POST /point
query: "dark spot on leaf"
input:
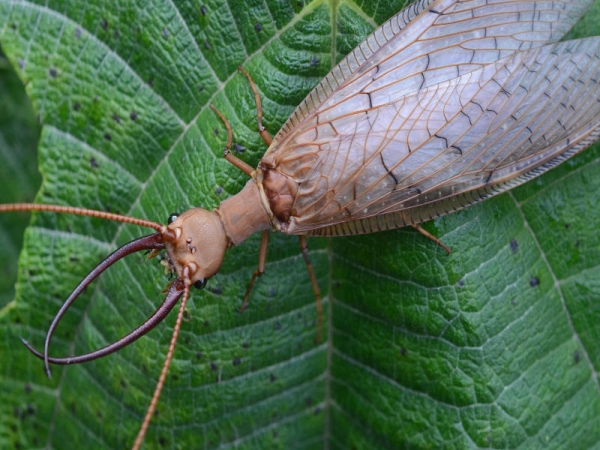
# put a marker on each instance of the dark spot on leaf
(93, 163)
(104, 24)
(577, 244)
(30, 410)
(175, 377)
(27, 388)
(77, 32)
(187, 341)
(217, 290)
(116, 34)
(116, 118)
(107, 136)
(213, 366)
(314, 62)
(76, 106)
(238, 148)
(237, 361)
(95, 98)
(577, 357)
(17, 320)
(275, 433)
(272, 292)
(73, 259)
(52, 72)
(277, 326)
(198, 355)
(99, 415)
(162, 441)
(203, 10)
(165, 33)
(460, 283)
(216, 131)
(514, 246)
(150, 81)
(13, 26)
(403, 351)
(133, 115)
(123, 384)
(73, 407)
(534, 281)
(567, 226)
(201, 88)
(317, 411)
(206, 323)
(156, 413)
(206, 45)
(258, 27)
(219, 190)
(246, 344)
(272, 377)
(513, 301)
(21, 64)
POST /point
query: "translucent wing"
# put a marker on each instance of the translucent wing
(394, 145)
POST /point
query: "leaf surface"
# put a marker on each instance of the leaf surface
(496, 345)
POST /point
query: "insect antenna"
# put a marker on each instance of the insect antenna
(182, 287)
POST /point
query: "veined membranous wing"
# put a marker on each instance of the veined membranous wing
(485, 105)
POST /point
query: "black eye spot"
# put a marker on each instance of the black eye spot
(200, 283)
(172, 218)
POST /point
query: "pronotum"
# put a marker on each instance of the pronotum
(472, 98)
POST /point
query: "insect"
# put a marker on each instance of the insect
(506, 101)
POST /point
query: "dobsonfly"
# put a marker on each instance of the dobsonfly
(446, 104)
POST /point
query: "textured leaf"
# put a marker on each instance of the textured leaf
(19, 133)
(496, 345)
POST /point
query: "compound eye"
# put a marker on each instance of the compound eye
(200, 283)
(172, 218)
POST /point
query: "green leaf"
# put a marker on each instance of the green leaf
(495, 345)
(19, 133)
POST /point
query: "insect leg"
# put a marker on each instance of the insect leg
(262, 260)
(315, 286)
(163, 373)
(427, 234)
(264, 134)
(237, 162)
